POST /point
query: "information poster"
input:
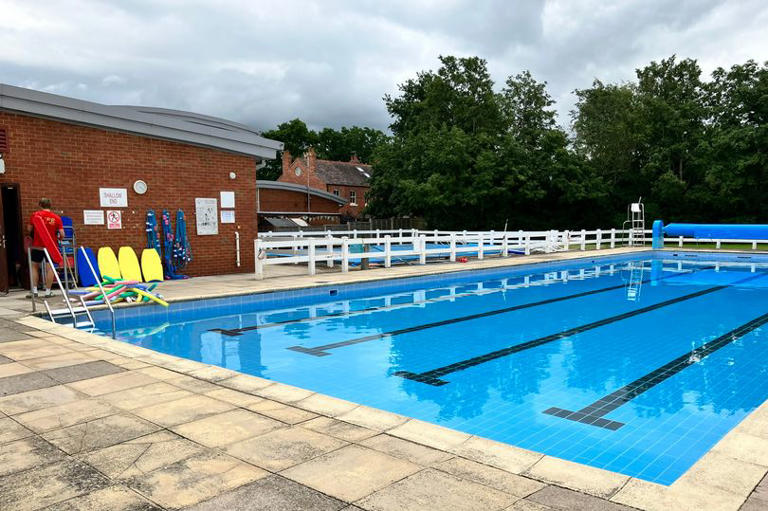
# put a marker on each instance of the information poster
(114, 219)
(227, 200)
(93, 216)
(227, 216)
(206, 216)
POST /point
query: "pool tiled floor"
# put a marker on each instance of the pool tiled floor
(91, 423)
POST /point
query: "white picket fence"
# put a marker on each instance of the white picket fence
(413, 246)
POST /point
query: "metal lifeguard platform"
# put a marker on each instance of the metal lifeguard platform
(635, 223)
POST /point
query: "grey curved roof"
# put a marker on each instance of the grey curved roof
(176, 125)
(293, 187)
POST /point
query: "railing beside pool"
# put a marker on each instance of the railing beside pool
(410, 246)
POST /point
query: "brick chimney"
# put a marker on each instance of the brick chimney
(354, 158)
(287, 160)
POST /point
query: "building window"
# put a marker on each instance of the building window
(336, 192)
(352, 198)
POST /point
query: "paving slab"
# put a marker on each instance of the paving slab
(272, 493)
(576, 476)
(429, 434)
(500, 455)
(112, 498)
(84, 371)
(180, 411)
(654, 497)
(284, 448)
(24, 350)
(433, 489)
(281, 412)
(338, 429)
(112, 383)
(195, 479)
(227, 428)
(138, 397)
(62, 360)
(19, 383)
(193, 384)
(37, 399)
(494, 477)
(562, 498)
(11, 368)
(99, 433)
(62, 416)
(527, 505)
(326, 405)
(40, 487)
(141, 455)
(10, 431)
(716, 470)
(373, 418)
(351, 473)
(235, 397)
(27, 453)
(5, 360)
(399, 448)
(11, 335)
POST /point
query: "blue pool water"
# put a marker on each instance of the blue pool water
(637, 365)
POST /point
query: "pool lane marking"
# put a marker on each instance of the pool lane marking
(322, 351)
(235, 332)
(432, 377)
(594, 413)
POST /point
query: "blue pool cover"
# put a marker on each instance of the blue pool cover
(637, 365)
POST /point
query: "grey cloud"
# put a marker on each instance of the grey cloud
(331, 62)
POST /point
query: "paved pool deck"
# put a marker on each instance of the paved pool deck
(89, 423)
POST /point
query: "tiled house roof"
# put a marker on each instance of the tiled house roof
(343, 173)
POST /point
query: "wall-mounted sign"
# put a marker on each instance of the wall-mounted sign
(227, 216)
(206, 216)
(93, 216)
(113, 197)
(227, 200)
(114, 219)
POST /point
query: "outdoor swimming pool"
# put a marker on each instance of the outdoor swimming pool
(636, 364)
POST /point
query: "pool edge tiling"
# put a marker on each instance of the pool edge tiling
(721, 479)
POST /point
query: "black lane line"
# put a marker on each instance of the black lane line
(593, 413)
(432, 377)
(322, 351)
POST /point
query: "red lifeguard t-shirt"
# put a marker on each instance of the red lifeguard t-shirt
(52, 223)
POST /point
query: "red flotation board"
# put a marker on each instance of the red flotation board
(50, 244)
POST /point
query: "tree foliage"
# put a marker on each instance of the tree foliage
(329, 144)
(464, 155)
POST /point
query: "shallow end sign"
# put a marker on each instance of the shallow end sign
(113, 197)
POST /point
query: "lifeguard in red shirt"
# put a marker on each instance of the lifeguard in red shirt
(55, 228)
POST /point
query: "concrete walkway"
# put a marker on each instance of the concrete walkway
(88, 423)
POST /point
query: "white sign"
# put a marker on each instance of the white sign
(93, 216)
(113, 197)
(227, 216)
(206, 216)
(114, 219)
(227, 200)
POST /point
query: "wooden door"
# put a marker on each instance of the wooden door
(4, 283)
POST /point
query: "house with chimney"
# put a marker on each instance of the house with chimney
(348, 180)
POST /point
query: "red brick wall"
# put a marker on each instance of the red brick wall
(69, 163)
(286, 200)
(307, 165)
(349, 210)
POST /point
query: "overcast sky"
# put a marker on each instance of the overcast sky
(330, 62)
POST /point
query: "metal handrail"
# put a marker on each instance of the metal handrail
(101, 288)
(64, 290)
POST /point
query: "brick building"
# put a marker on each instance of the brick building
(345, 179)
(70, 150)
(287, 206)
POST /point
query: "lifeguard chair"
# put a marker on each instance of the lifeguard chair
(635, 223)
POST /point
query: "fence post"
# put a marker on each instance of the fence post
(527, 244)
(583, 240)
(311, 256)
(717, 244)
(423, 249)
(453, 248)
(754, 245)
(680, 242)
(567, 240)
(613, 238)
(295, 247)
(480, 246)
(505, 246)
(598, 239)
(329, 247)
(387, 251)
(345, 254)
(258, 263)
(354, 233)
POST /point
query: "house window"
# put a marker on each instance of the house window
(352, 198)
(336, 192)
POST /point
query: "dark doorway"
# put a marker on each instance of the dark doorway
(14, 267)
